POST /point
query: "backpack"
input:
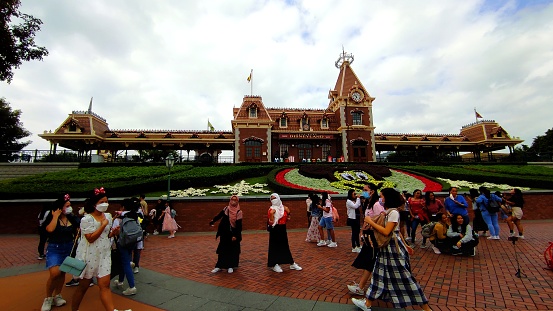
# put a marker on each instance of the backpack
(173, 213)
(130, 233)
(493, 206)
(427, 229)
(381, 239)
(335, 216)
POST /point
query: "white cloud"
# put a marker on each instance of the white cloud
(174, 64)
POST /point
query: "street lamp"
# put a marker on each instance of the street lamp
(169, 162)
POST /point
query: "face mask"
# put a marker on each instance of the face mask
(365, 194)
(102, 207)
(68, 210)
(274, 201)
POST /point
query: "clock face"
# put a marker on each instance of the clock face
(356, 96)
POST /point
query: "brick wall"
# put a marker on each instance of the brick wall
(194, 214)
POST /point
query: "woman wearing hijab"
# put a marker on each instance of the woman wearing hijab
(230, 234)
(279, 250)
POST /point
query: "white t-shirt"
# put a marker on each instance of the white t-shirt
(328, 203)
(393, 216)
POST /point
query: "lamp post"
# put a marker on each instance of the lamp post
(169, 162)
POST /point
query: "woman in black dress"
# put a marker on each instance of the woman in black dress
(229, 233)
(279, 249)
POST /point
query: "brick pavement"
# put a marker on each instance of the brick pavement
(483, 282)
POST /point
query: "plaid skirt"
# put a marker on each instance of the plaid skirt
(392, 280)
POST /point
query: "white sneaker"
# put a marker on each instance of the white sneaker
(59, 301)
(47, 304)
(354, 250)
(277, 268)
(119, 284)
(496, 237)
(356, 290)
(295, 266)
(511, 234)
(321, 243)
(485, 233)
(436, 250)
(408, 238)
(332, 244)
(155, 232)
(360, 303)
(135, 270)
(521, 236)
(491, 238)
(230, 270)
(215, 270)
(130, 291)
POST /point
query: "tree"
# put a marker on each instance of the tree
(11, 130)
(543, 144)
(17, 42)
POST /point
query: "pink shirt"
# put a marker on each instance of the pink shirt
(375, 211)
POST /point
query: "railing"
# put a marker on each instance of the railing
(31, 156)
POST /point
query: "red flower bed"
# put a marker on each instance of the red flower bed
(429, 185)
(281, 179)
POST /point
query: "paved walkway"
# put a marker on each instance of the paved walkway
(175, 274)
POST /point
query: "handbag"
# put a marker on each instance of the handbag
(73, 265)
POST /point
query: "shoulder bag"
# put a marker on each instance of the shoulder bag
(73, 265)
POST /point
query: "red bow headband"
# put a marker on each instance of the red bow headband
(98, 191)
(66, 197)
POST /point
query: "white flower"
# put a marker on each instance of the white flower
(468, 184)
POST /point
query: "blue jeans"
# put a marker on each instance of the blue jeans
(491, 221)
(126, 263)
(414, 224)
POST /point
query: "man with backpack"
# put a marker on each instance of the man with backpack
(489, 204)
(130, 235)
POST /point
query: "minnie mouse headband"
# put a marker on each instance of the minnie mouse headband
(66, 197)
(99, 191)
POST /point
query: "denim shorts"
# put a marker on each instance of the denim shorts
(326, 222)
(56, 253)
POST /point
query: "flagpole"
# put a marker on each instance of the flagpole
(251, 82)
(475, 115)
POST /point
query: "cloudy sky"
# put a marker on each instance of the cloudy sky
(173, 64)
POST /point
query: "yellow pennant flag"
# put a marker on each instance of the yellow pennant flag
(250, 76)
(210, 126)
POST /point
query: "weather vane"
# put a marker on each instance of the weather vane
(344, 57)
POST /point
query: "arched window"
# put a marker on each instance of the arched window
(253, 150)
(357, 118)
(253, 111)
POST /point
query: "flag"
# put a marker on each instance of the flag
(90, 105)
(250, 76)
(210, 126)
(477, 115)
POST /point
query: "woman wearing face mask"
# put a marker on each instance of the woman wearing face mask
(95, 249)
(61, 227)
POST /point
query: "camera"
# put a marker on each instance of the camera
(513, 238)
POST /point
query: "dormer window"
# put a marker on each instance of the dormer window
(283, 122)
(72, 127)
(324, 123)
(357, 118)
(253, 112)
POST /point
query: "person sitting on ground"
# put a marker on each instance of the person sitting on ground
(439, 240)
(461, 236)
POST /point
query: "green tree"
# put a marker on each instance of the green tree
(17, 42)
(156, 155)
(11, 131)
(543, 144)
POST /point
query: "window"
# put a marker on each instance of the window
(72, 127)
(324, 123)
(357, 118)
(326, 150)
(304, 151)
(253, 151)
(283, 150)
(253, 112)
(283, 122)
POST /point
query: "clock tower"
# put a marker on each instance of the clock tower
(352, 105)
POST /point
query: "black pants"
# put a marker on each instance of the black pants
(355, 230)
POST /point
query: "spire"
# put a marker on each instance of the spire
(90, 105)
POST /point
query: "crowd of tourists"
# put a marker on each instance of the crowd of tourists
(384, 230)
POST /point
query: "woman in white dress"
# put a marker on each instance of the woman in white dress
(95, 249)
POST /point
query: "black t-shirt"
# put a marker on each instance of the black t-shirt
(62, 234)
